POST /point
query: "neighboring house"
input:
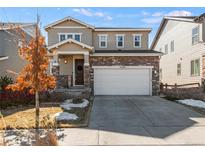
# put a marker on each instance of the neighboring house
(10, 61)
(107, 60)
(182, 40)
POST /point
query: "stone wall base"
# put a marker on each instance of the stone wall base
(59, 95)
(185, 93)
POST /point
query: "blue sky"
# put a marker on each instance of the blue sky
(112, 17)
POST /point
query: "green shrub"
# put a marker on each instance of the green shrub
(5, 81)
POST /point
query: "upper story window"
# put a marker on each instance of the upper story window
(166, 49)
(103, 41)
(137, 40)
(195, 35)
(120, 41)
(172, 46)
(62, 37)
(75, 36)
(69, 36)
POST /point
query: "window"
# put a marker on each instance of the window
(179, 69)
(74, 36)
(172, 46)
(160, 50)
(195, 67)
(77, 37)
(166, 49)
(137, 40)
(69, 36)
(62, 37)
(103, 41)
(120, 41)
(195, 35)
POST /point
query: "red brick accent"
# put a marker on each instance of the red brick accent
(129, 61)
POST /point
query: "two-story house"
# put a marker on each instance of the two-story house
(182, 40)
(10, 61)
(110, 61)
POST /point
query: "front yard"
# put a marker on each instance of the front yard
(23, 117)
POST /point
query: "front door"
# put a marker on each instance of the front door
(79, 72)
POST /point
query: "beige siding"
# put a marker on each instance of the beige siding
(71, 47)
(66, 69)
(14, 62)
(53, 33)
(184, 52)
(128, 40)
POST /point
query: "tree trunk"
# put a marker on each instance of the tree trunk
(37, 109)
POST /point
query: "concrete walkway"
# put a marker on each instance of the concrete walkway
(138, 120)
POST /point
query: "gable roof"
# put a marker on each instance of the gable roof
(66, 19)
(164, 21)
(70, 41)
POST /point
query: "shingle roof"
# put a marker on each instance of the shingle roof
(9, 25)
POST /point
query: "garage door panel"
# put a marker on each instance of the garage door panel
(109, 81)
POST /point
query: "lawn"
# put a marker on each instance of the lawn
(24, 117)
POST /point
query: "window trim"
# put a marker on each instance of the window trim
(194, 75)
(195, 35)
(66, 35)
(116, 40)
(171, 46)
(59, 36)
(140, 42)
(99, 40)
(166, 48)
(179, 74)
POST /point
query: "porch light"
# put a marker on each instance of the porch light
(65, 61)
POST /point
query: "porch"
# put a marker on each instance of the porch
(71, 70)
(70, 64)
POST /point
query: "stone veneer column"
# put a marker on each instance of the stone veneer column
(55, 66)
(86, 70)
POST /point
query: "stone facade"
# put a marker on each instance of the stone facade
(86, 75)
(129, 61)
(61, 81)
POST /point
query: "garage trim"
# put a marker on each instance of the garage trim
(140, 67)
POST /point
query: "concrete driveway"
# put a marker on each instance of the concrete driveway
(138, 120)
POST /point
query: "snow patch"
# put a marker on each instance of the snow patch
(65, 116)
(192, 102)
(68, 105)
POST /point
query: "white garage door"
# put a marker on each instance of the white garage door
(118, 81)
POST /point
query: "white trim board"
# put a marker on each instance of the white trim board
(123, 29)
(72, 52)
(67, 19)
(4, 58)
